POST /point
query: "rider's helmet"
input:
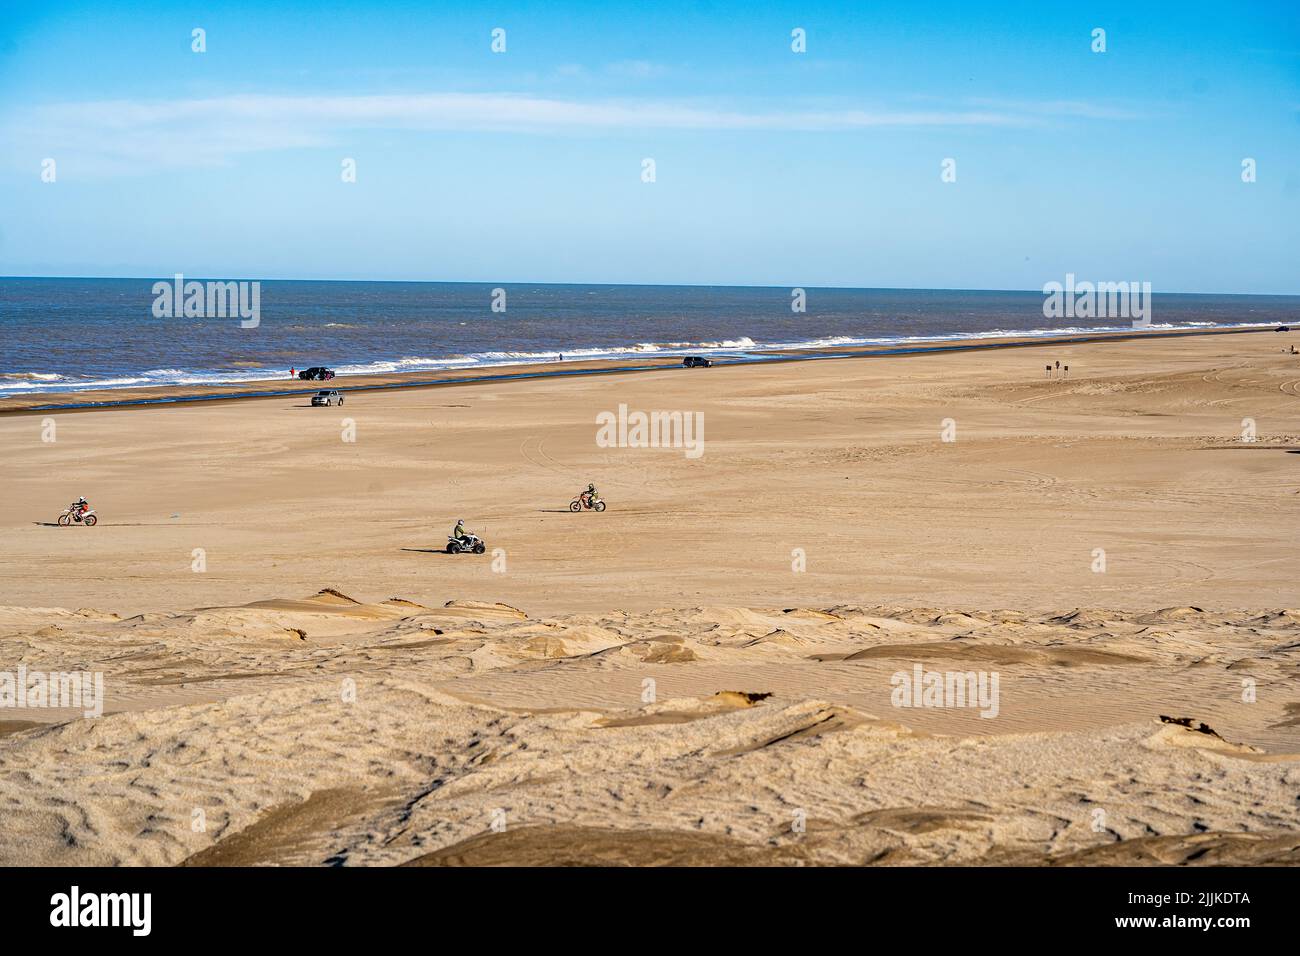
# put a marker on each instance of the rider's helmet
(591, 486)
(81, 501)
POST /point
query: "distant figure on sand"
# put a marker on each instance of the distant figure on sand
(293, 373)
(1065, 373)
(1049, 371)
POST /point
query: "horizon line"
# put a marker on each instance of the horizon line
(629, 285)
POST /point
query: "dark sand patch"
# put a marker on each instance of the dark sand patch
(1270, 848)
(824, 722)
(1004, 654)
(594, 846)
(290, 828)
(8, 727)
(922, 819)
(720, 703)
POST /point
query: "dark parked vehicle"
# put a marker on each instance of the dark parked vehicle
(327, 397)
(316, 373)
(1284, 328)
(694, 361)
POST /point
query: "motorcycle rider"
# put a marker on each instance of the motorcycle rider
(80, 507)
(590, 495)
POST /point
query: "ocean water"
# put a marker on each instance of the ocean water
(63, 334)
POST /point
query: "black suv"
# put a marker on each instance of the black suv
(694, 361)
(316, 373)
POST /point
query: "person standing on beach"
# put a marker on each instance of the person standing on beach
(293, 372)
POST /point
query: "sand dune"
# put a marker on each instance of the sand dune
(770, 738)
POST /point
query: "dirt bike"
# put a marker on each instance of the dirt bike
(584, 500)
(470, 542)
(80, 517)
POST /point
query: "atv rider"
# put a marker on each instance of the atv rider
(590, 495)
(459, 532)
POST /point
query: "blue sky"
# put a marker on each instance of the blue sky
(772, 167)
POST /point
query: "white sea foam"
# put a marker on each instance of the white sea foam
(19, 383)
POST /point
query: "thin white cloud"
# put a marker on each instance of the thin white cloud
(1064, 109)
(190, 132)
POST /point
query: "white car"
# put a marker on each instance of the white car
(329, 396)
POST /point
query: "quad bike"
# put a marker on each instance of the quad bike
(470, 542)
(80, 517)
(584, 500)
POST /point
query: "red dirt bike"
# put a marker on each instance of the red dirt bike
(585, 500)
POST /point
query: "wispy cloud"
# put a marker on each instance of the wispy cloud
(196, 132)
(1060, 109)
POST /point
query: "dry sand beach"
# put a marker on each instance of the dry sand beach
(705, 673)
